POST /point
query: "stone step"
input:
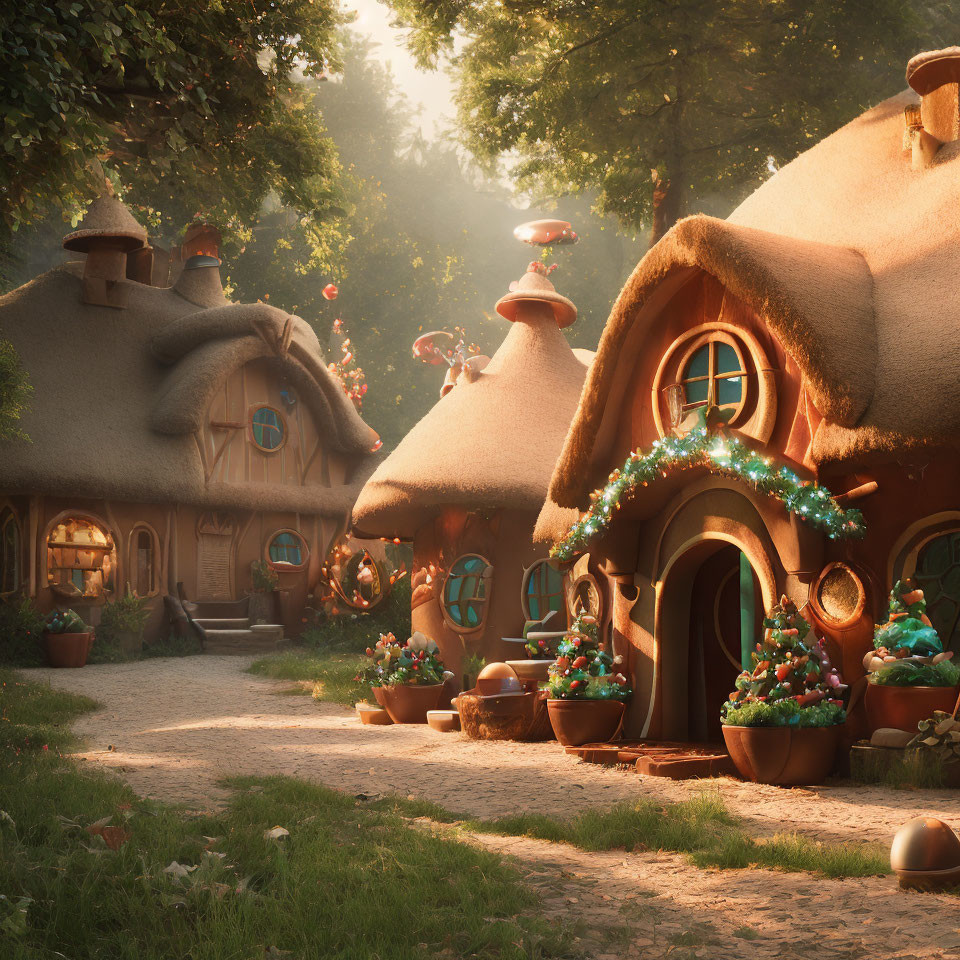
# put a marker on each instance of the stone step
(220, 623)
(242, 642)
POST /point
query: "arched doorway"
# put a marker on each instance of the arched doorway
(711, 615)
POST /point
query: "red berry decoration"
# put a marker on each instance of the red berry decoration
(330, 292)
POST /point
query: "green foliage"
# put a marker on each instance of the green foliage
(82, 899)
(621, 98)
(791, 683)
(726, 456)
(392, 663)
(195, 107)
(15, 392)
(471, 666)
(331, 678)
(21, 629)
(910, 673)
(351, 632)
(128, 614)
(64, 621)
(264, 577)
(907, 632)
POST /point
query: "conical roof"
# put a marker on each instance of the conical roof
(106, 217)
(489, 443)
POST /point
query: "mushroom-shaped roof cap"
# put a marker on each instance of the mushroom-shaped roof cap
(928, 71)
(107, 218)
(535, 287)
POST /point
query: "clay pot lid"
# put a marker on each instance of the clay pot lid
(498, 678)
(106, 219)
(534, 287)
(930, 70)
(925, 844)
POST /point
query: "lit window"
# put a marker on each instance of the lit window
(713, 374)
(543, 590)
(81, 559)
(287, 549)
(465, 591)
(9, 552)
(267, 429)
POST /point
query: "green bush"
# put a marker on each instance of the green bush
(21, 627)
(909, 673)
(129, 614)
(354, 632)
(784, 713)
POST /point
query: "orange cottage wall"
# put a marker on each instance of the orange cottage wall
(655, 548)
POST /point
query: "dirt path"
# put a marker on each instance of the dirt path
(172, 728)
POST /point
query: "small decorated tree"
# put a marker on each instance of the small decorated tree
(584, 670)
(792, 682)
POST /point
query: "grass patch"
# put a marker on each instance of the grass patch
(354, 632)
(900, 769)
(332, 674)
(701, 828)
(351, 880)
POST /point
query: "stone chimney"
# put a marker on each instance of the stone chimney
(199, 281)
(106, 235)
(935, 75)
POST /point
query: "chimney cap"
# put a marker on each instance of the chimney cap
(200, 260)
(928, 71)
(106, 219)
(534, 286)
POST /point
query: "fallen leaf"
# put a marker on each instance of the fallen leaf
(178, 869)
(276, 833)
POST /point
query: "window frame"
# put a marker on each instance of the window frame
(528, 575)
(284, 427)
(8, 518)
(485, 578)
(711, 339)
(141, 526)
(281, 566)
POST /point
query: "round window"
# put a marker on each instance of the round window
(287, 549)
(465, 591)
(267, 428)
(542, 590)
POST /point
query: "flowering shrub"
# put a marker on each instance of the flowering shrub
(913, 673)
(415, 661)
(792, 682)
(908, 631)
(583, 670)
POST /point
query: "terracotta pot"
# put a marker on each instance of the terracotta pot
(576, 722)
(538, 670)
(904, 707)
(67, 649)
(409, 702)
(262, 607)
(373, 716)
(784, 756)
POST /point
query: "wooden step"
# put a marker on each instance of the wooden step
(241, 642)
(222, 623)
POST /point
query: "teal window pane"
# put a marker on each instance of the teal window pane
(729, 390)
(465, 591)
(696, 392)
(267, 428)
(699, 364)
(727, 360)
(286, 548)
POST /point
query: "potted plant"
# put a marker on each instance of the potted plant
(262, 606)
(781, 724)
(67, 639)
(585, 690)
(407, 679)
(910, 675)
(123, 621)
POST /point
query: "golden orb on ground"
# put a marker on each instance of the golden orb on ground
(497, 678)
(926, 854)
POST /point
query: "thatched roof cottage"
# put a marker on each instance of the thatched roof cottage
(819, 319)
(466, 483)
(176, 437)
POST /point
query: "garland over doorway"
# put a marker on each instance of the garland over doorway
(725, 456)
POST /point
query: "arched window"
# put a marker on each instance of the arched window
(287, 550)
(9, 552)
(465, 592)
(142, 556)
(713, 374)
(542, 590)
(267, 429)
(81, 557)
(938, 575)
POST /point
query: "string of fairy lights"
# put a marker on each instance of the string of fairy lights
(723, 455)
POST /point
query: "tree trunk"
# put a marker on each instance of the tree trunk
(666, 208)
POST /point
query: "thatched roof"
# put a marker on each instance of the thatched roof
(118, 395)
(106, 218)
(851, 257)
(489, 443)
